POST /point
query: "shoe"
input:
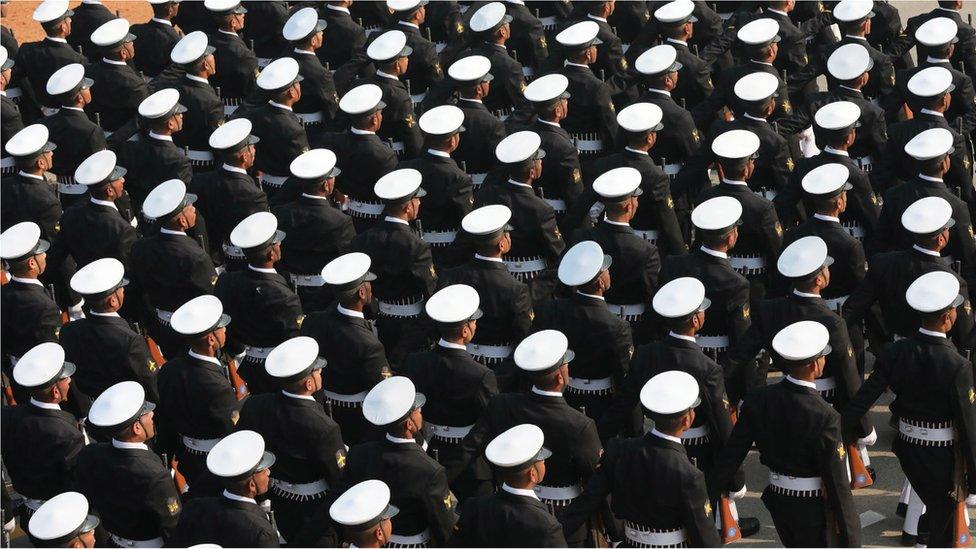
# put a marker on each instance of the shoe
(902, 510)
(874, 475)
(908, 540)
(748, 526)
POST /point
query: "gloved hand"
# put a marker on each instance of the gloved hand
(971, 500)
(738, 495)
(869, 440)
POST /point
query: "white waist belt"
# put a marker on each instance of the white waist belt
(124, 542)
(7, 162)
(837, 302)
(263, 62)
(528, 72)
(672, 169)
(527, 266)
(478, 179)
(695, 432)
(352, 399)
(449, 432)
(864, 161)
(305, 489)
(408, 310)
(548, 22)
(397, 146)
(588, 145)
(749, 263)
(439, 46)
(558, 493)
(259, 353)
(229, 109)
(275, 181)
(366, 208)
(590, 385)
(439, 237)
(489, 351)
(419, 97)
(650, 236)
(199, 156)
(825, 384)
(656, 539)
(634, 309)
(14, 93)
(799, 484)
(202, 445)
(164, 316)
(557, 204)
(72, 188)
(928, 434)
(416, 539)
(713, 342)
(310, 117)
(768, 194)
(313, 281)
(855, 229)
(231, 250)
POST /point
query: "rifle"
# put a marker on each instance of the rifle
(960, 519)
(860, 476)
(730, 526)
(178, 479)
(54, 297)
(240, 386)
(6, 534)
(154, 353)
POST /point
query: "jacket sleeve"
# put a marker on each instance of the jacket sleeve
(163, 503)
(439, 504)
(626, 397)
(330, 449)
(845, 371)
(422, 268)
(965, 415)
(695, 512)
(143, 367)
(552, 239)
(732, 455)
(523, 315)
(868, 394)
(838, 488)
(593, 496)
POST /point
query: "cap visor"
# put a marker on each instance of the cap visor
(847, 187)
(487, 77)
(117, 173)
(87, 83)
(209, 51)
(369, 277)
(68, 370)
(596, 42)
(692, 19)
(180, 109)
(950, 224)
(419, 401)
(267, 460)
(506, 19)
(146, 408)
(390, 512)
(637, 192)
(89, 524)
(190, 198)
(334, 173)
(705, 304)
(278, 237)
(958, 301)
(828, 262)
(568, 357)
(44, 245)
(239, 10)
(8, 64)
(407, 50)
(253, 139)
(478, 313)
(320, 25)
(420, 192)
(48, 147)
(544, 453)
(540, 154)
(223, 322)
(319, 363)
(607, 261)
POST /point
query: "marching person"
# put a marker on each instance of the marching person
(155, 38)
(281, 136)
(306, 441)
(319, 102)
(472, 78)
(266, 310)
(636, 262)
(204, 110)
(799, 438)
(169, 268)
(197, 402)
(536, 242)
(132, 490)
(424, 70)
(63, 521)
(154, 158)
(234, 518)
(390, 53)
(89, 16)
(405, 274)
(677, 510)
(545, 358)
(236, 65)
(39, 60)
(717, 223)
(76, 136)
(355, 358)
(591, 118)
(229, 194)
(24, 297)
(514, 516)
(418, 485)
(602, 340)
(361, 155)
(932, 383)
(10, 113)
(457, 387)
(504, 300)
(449, 190)
(319, 231)
(103, 345)
(96, 228)
(41, 440)
(365, 513)
(118, 88)
(346, 35)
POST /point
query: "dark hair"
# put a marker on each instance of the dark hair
(667, 423)
(711, 240)
(733, 165)
(488, 246)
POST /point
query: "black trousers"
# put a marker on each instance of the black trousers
(929, 469)
(800, 522)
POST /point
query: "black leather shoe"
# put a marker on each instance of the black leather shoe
(901, 510)
(908, 540)
(748, 526)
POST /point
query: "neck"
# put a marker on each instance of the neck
(242, 493)
(804, 373)
(937, 327)
(204, 349)
(675, 432)
(643, 146)
(405, 434)
(263, 265)
(813, 290)
(592, 290)
(524, 483)
(831, 213)
(620, 218)
(106, 310)
(354, 306)
(686, 330)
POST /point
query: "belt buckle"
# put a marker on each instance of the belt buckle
(924, 432)
(518, 264)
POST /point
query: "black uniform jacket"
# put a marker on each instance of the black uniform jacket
(504, 519)
(40, 449)
(226, 522)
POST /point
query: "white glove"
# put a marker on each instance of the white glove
(75, 312)
(868, 440)
(738, 495)
(10, 526)
(971, 500)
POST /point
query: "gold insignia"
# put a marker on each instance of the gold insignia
(437, 68)
(173, 506)
(335, 97)
(213, 280)
(967, 307)
(891, 78)
(57, 227)
(850, 351)
(695, 135)
(447, 500)
(789, 164)
(779, 229)
(57, 332)
(341, 458)
(972, 395)
(386, 373)
(725, 402)
(840, 451)
(300, 320)
(787, 107)
(577, 176)
(542, 42)
(522, 85)
(630, 351)
(822, 8)
(670, 202)
(971, 235)
(708, 83)
(805, 59)
(433, 272)
(152, 366)
(559, 235)
(612, 108)
(459, 28)
(708, 508)
(623, 63)
(874, 199)
(235, 416)
(409, 120)
(965, 160)
(647, 16)
(531, 315)
(745, 312)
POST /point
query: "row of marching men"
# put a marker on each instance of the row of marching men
(282, 471)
